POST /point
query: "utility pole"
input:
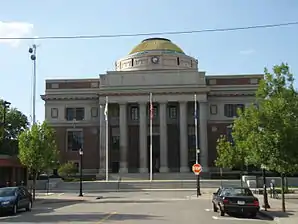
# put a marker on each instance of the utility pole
(32, 52)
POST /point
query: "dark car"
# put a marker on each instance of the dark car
(237, 200)
(14, 198)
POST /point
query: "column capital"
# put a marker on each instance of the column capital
(143, 102)
(162, 102)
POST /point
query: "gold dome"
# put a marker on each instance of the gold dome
(156, 44)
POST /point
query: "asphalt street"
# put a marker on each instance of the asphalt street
(128, 207)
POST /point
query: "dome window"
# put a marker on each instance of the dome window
(178, 61)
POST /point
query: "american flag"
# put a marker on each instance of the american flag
(151, 107)
(106, 109)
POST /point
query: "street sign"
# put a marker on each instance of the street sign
(197, 169)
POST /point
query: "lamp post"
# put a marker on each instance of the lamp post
(265, 194)
(32, 52)
(5, 105)
(81, 172)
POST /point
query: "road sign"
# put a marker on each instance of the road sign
(197, 169)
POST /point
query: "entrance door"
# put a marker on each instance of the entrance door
(155, 153)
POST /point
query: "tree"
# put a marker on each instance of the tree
(38, 150)
(231, 155)
(67, 169)
(15, 123)
(269, 130)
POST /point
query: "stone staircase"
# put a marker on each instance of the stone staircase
(143, 184)
(156, 176)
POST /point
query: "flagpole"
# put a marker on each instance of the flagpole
(196, 128)
(107, 139)
(151, 149)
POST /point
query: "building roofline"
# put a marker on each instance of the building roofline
(71, 80)
(225, 76)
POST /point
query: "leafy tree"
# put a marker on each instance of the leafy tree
(269, 130)
(67, 169)
(231, 155)
(15, 123)
(38, 150)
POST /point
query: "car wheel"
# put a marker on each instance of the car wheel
(14, 209)
(215, 209)
(29, 206)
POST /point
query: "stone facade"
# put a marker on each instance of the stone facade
(173, 86)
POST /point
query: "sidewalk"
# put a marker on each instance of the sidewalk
(275, 212)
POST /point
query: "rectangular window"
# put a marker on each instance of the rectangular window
(229, 135)
(94, 112)
(213, 109)
(75, 113)
(230, 110)
(116, 143)
(54, 112)
(134, 113)
(173, 112)
(74, 140)
(155, 111)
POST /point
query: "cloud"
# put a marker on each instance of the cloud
(247, 52)
(14, 29)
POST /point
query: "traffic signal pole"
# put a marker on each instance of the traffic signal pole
(198, 186)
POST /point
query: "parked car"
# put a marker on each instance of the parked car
(238, 200)
(14, 198)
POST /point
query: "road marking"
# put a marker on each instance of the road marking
(106, 217)
(9, 217)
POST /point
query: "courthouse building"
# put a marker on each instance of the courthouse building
(75, 108)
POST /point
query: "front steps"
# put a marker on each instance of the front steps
(156, 176)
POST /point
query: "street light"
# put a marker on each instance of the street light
(32, 52)
(5, 105)
(81, 172)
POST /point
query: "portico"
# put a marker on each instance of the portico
(161, 124)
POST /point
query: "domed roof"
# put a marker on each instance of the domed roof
(156, 44)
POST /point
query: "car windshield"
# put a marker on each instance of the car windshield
(7, 192)
(238, 192)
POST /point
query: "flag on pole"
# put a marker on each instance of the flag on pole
(195, 107)
(106, 109)
(151, 146)
(151, 107)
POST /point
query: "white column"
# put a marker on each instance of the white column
(123, 138)
(183, 137)
(143, 138)
(102, 134)
(203, 136)
(163, 137)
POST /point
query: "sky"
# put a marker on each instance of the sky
(236, 52)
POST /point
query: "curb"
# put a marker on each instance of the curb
(54, 191)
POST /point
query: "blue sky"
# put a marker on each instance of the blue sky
(237, 52)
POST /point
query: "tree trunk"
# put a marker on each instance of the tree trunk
(283, 192)
(241, 174)
(34, 185)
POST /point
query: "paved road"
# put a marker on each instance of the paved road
(130, 208)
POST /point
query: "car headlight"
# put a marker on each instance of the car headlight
(5, 202)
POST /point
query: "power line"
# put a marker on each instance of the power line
(151, 34)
